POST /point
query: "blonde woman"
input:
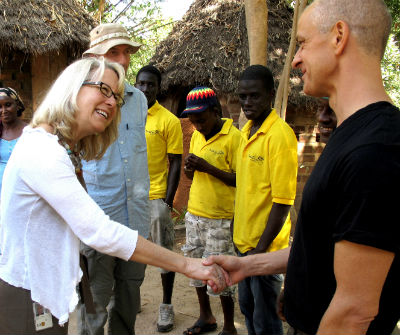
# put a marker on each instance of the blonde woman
(46, 212)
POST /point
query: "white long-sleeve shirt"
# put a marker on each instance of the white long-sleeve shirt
(44, 213)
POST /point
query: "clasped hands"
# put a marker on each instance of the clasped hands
(218, 272)
(193, 162)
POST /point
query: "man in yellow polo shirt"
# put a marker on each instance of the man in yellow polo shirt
(265, 189)
(211, 164)
(164, 153)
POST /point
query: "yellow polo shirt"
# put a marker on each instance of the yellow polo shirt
(266, 173)
(163, 137)
(210, 197)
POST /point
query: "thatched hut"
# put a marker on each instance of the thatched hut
(210, 47)
(38, 39)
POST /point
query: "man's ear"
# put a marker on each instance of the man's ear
(341, 33)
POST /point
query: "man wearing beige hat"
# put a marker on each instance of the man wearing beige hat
(119, 183)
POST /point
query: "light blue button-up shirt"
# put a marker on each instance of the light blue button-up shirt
(120, 182)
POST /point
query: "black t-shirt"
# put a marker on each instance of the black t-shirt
(352, 194)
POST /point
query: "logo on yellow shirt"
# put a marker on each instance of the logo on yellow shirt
(217, 152)
(153, 132)
(256, 159)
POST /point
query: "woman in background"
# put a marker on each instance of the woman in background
(11, 108)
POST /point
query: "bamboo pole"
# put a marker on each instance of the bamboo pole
(303, 5)
(283, 88)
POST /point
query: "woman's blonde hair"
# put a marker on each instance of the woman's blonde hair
(59, 106)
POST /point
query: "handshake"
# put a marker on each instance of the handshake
(222, 271)
(218, 272)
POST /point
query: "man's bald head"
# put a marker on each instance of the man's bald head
(369, 21)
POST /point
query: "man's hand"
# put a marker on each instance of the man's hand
(256, 265)
(188, 169)
(216, 277)
(193, 162)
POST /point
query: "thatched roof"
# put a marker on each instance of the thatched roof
(40, 26)
(210, 47)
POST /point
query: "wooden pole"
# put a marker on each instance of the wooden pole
(303, 5)
(257, 34)
(283, 88)
(257, 30)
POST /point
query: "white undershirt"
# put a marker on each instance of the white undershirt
(44, 213)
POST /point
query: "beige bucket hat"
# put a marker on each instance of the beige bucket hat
(108, 35)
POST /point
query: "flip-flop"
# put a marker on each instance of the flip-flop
(200, 327)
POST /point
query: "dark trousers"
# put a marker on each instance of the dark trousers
(16, 313)
(258, 296)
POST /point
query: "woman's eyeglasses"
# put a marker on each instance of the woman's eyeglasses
(106, 91)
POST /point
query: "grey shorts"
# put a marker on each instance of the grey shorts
(162, 228)
(206, 237)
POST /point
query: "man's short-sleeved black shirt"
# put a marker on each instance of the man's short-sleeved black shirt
(352, 194)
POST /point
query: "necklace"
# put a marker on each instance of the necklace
(84, 286)
(73, 155)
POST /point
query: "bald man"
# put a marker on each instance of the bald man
(343, 272)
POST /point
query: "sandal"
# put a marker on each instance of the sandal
(200, 327)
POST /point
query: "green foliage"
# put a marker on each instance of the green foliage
(391, 70)
(179, 216)
(142, 19)
(146, 23)
(394, 7)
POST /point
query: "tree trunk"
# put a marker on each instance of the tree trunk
(257, 34)
(257, 30)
